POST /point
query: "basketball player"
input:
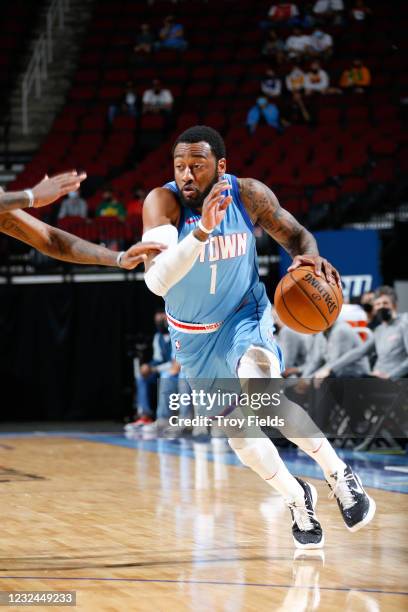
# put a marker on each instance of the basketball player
(52, 241)
(219, 314)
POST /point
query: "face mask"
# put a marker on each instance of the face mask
(384, 314)
(368, 308)
(72, 194)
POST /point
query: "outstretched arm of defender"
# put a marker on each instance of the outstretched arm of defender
(61, 245)
(159, 213)
(264, 208)
(47, 191)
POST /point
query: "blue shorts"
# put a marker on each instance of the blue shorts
(216, 355)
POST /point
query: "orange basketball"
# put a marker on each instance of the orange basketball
(306, 302)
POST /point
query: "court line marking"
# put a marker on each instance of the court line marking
(212, 582)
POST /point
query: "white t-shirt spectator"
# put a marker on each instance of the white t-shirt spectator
(317, 81)
(295, 80)
(320, 41)
(297, 44)
(283, 12)
(161, 99)
(73, 206)
(325, 6)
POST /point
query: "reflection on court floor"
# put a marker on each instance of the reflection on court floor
(139, 525)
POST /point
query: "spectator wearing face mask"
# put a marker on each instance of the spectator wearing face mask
(126, 105)
(264, 110)
(360, 12)
(157, 99)
(357, 77)
(316, 80)
(367, 304)
(320, 44)
(271, 85)
(389, 341)
(73, 206)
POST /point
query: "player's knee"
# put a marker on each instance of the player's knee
(258, 362)
(255, 453)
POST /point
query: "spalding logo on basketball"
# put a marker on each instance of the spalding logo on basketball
(307, 303)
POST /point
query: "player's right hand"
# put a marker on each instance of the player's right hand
(51, 189)
(215, 205)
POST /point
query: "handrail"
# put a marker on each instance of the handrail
(43, 54)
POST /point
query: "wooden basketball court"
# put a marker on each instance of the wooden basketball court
(131, 529)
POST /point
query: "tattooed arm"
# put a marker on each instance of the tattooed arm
(263, 208)
(47, 191)
(61, 245)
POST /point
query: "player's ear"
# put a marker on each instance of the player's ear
(222, 166)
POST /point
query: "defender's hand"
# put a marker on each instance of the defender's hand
(215, 205)
(139, 252)
(321, 265)
(51, 189)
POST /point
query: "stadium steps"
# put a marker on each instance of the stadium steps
(42, 111)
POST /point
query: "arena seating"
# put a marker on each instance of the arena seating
(355, 143)
(16, 25)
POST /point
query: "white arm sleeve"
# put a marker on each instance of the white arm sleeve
(172, 265)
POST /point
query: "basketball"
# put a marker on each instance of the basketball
(306, 302)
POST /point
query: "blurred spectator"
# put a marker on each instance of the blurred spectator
(144, 40)
(151, 371)
(316, 80)
(294, 347)
(271, 85)
(367, 304)
(157, 99)
(295, 80)
(274, 47)
(389, 341)
(329, 10)
(340, 339)
(295, 111)
(171, 35)
(110, 206)
(263, 109)
(297, 44)
(321, 44)
(307, 18)
(360, 12)
(127, 104)
(283, 13)
(134, 206)
(357, 77)
(73, 206)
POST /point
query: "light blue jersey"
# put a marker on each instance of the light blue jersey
(220, 307)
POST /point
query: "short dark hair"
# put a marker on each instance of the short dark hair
(387, 290)
(203, 133)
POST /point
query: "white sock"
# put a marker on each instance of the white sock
(261, 455)
(323, 453)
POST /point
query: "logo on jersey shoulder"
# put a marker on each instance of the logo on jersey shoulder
(177, 344)
(225, 246)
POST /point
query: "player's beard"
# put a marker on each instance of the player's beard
(198, 201)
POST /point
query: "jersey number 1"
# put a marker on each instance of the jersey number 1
(213, 278)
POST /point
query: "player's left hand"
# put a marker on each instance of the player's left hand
(51, 189)
(139, 252)
(321, 265)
